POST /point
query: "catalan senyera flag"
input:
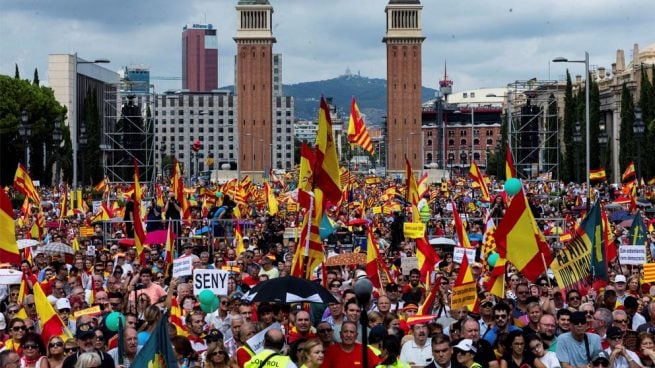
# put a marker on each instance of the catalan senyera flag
(476, 175)
(327, 162)
(510, 170)
(459, 228)
(357, 134)
(176, 318)
(427, 257)
(649, 272)
(411, 194)
(24, 185)
(629, 174)
(8, 247)
(178, 189)
(597, 175)
(49, 321)
(270, 199)
(519, 240)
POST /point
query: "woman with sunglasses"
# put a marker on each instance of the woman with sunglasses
(216, 356)
(70, 347)
(17, 331)
(56, 354)
(34, 352)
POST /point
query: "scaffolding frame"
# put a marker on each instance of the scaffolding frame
(537, 93)
(129, 139)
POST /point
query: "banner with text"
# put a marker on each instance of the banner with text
(632, 254)
(458, 254)
(214, 280)
(182, 266)
(572, 265)
(413, 230)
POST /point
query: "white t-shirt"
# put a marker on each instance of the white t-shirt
(550, 360)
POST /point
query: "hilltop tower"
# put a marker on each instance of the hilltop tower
(404, 38)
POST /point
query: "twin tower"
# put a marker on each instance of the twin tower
(254, 83)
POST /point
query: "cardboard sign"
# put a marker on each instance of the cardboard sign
(571, 265)
(463, 296)
(256, 342)
(377, 210)
(10, 276)
(458, 254)
(214, 280)
(182, 266)
(408, 263)
(632, 254)
(413, 230)
(94, 311)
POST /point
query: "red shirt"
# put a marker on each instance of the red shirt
(335, 357)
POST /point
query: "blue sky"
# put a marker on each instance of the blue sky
(485, 43)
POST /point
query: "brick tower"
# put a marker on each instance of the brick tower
(403, 38)
(254, 85)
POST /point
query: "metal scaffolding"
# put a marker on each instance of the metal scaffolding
(535, 144)
(128, 133)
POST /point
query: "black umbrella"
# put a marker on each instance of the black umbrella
(287, 290)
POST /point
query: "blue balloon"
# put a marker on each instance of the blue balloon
(512, 186)
(492, 259)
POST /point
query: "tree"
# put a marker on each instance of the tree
(594, 123)
(91, 157)
(647, 105)
(568, 164)
(35, 80)
(627, 140)
(16, 73)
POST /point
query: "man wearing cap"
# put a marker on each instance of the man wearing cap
(63, 307)
(417, 352)
(576, 348)
(619, 355)
(394, 294)
(85, 337)
(620, 283)
(465, 351)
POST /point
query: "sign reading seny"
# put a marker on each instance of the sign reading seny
(214, 280)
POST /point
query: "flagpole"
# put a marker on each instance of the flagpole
(543, 259)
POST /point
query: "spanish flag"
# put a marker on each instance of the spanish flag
(49, 321)
(357, 134)
(427, 257)
(327, 165)
(629, 174)
(8, 246)
(476, 175)
(519, 240)
(270, 199)
(139, 232)
(597, 175)
(412, 191)
(459, 227)
(176, 318)
(238, 239)
(510, 170)
(374, 261)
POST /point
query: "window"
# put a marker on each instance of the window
(462, 142)
(451, 142)
(490, 142)
(429, 142)
(451, 133)
(462, 133)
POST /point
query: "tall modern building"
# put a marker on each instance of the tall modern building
(199, 58)
(254, 84)
(404, 38)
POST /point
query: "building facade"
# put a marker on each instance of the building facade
(403, 39)
(199, 58)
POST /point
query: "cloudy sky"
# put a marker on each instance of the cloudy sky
(485, 43)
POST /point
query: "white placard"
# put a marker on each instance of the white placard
(91, 250)
(214, 280)
(291, 233)
(96, 206)
(458, 254)
(10, 276)
(182, 266)
(632, 254)
(256, 342)
(408, 263)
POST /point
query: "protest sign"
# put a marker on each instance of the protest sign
(10, 276)
(571, 266)
(214, 280)
(458, 254)
(463, 296)
(256, 343)
(414, 230)
(408, 263)
(291, 233)
(93, 311)
(182, 266)
(632, 254)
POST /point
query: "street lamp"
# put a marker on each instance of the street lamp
(363, 289)
(25, 131)
(577, 138)
(56, 139)
(638, 128)
(74, 131)
(602, 141)
(586, 88)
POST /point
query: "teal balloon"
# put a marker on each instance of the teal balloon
(113, 320)
(219, 194)
(206, 297)
(210, 307)
(492, 259)
(512, 186)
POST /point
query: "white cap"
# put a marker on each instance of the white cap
(619, 278)
(466, 345)
(63, 303)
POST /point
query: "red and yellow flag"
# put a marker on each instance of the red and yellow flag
(270, 199)
(519, 240)
(169, 248)
(465, 281)
(629, 174)
(459, 228)
(306, 173)
(103, 185)
(597, 175)
(510, 170)
(176, 318)
(327, 162)
(139, 231)
(178, 189)
(411, 194)
(427, 257)
(374, 261)
(357, 133)
(8, 246)
(476, 175)
(309, 253)
(49, 321)
(24, 185)
(238, 239)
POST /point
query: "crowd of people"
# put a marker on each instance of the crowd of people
(534, 324)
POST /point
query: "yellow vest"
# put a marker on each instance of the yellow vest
(278, 361)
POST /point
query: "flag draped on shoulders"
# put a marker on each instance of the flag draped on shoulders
(519, 240)
(8, 248)
(357, 133)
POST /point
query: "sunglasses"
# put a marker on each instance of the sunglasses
(12, 311)
(56, 344)
(601, 364)
(504, 316)
(30, 346)
(575, 298)
(324, 330)
(70, 350)
(487, 305)
(18, 328)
